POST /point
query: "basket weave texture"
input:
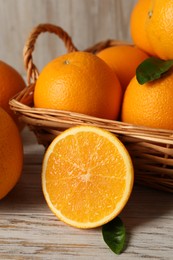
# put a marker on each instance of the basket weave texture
(151, 149)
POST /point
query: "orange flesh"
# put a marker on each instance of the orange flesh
(85, 174)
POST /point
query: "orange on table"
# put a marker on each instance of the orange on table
(123, 60)
(11, 82)
(150, 104)
(138, 20)
(11, 153)
(79, 82)
(87, 176)
(160, 27)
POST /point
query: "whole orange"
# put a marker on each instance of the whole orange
(11, 153)
(123, 60)
(159, 27)
(138, 18)
(79, 82)
(11, 82)
(150, 104)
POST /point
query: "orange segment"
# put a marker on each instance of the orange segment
(87, 176)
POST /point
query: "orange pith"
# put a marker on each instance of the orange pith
(87, 176)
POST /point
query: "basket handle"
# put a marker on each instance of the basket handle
(32, 71)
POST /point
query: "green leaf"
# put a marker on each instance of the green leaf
(151, 69)
(114, 235)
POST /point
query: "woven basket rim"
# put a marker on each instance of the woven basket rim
(23, 101)
(152, 148)
(145, 133)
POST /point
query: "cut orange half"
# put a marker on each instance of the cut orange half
(87, 176)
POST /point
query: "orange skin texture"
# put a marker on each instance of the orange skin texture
(149, 104)
(138, 19)
(11, 154)
(11, 82)
(123, 60)
(159, 28)
(79, 82)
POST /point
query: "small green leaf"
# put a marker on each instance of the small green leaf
(151, 69)
(114, 235)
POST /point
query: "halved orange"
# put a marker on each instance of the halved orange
(87, 176)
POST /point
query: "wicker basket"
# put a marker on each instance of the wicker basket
(151, 149)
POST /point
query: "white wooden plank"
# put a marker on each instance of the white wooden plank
(29, 230)
(88, 22)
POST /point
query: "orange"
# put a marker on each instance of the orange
(11, 82)
(123, 60)
(87, 176)
(79, 82)
(160, 27)
(138, 19)
(11, 153)
(150, 104)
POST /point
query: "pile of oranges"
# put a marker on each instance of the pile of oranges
(104, 85)
(152, 31)
(80, 82)
(87, 174)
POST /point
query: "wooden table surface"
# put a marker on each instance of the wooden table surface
(29, 230)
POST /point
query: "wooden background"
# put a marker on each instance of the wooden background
(87, 22)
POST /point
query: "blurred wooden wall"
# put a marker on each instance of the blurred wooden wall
(87, 22)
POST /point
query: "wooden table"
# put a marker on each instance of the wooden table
(29, 230)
